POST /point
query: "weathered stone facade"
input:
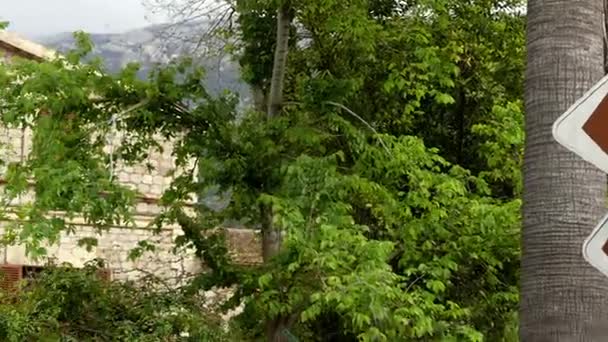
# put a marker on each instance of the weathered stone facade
(114, 246)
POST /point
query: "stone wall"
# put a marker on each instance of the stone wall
(114, 246)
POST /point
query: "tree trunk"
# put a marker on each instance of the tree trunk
(259, 98)
(562, 297)
(275, 97)
(271, 235)
(275, 330)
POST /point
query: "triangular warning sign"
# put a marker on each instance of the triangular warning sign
(595, 247)
(583, 128)
(596, 126)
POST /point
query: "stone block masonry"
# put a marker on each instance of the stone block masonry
(116, 243)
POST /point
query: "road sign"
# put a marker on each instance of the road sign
(595, 247)
(583, 129)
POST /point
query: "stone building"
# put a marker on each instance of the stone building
(114, 245)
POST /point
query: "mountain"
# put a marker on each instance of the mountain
(159, 44)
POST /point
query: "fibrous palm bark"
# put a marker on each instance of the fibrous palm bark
(562, 297)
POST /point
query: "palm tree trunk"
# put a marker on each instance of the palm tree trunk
(562, 297)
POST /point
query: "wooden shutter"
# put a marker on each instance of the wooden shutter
(10, 276)
(104, 274)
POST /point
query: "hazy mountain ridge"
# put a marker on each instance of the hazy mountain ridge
(159, 44)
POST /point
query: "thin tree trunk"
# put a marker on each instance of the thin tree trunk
(275, 97)
(562, 297)
(271, 235)
(259, 98)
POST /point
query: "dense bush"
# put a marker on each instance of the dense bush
(69, 304)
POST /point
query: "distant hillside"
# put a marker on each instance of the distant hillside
(159, 44)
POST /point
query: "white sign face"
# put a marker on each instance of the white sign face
(595, 247)
(583, 128)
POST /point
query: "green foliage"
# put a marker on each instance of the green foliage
(67, 304)
(67, 163)
(445, 71)
(411, 234)
(343, 221)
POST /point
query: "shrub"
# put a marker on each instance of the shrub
(70, 304)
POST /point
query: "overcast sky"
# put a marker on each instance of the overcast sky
(42, 17)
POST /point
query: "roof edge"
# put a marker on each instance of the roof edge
(26, 46)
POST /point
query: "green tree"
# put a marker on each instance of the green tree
(383, 237)
(429, 66)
